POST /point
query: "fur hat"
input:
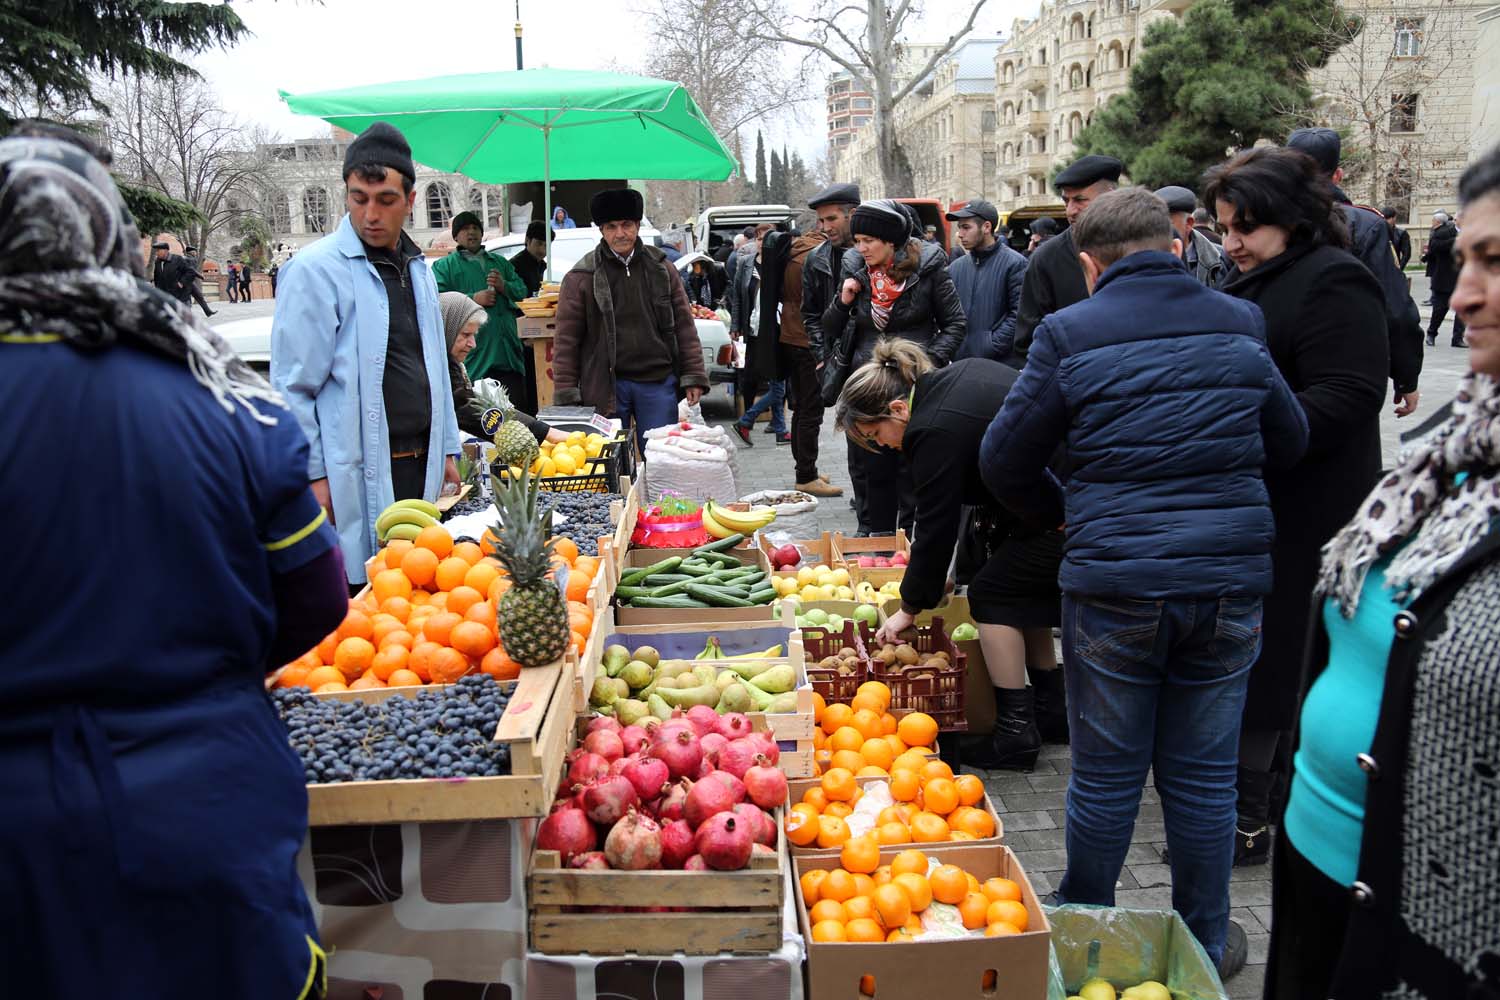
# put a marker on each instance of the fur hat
(617, 204)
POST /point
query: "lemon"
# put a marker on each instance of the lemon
(562, 460)
(580, 456)
(576, 437)
(593, 449)
(549, 468)
(536, 464)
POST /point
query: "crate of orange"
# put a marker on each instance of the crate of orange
(969, 909)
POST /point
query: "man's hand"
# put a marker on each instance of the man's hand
(485, 298)
(1406, 403)
(493, 279)
(320, 493)
(450, 473)
(693, 393)
(849, 290)
(894, 626)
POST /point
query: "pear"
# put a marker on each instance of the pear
(1097, 989)
(648, 655)
(1149, 990)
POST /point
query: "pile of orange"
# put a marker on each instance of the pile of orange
(886, 903)
(863, 736)
(428, 617)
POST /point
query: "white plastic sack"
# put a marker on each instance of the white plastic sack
(520, 217)
(690, 414)
(797, 519)
(697, 463)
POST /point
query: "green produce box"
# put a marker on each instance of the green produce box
(1127, 947)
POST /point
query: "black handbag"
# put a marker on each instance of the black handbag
(835, 371)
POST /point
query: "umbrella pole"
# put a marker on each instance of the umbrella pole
(547, 190)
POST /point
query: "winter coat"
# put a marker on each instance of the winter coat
(793, 289)
(1325, 327)
(174, 276)
(1054, 280)
(989, 288)
(497, 346)
(1171, 407)
(328, 350)
(1439, 257)
(531, 271)
(1370, 241)
(739, 299)
(822, 276)
(1208, 267)
(1401, 243)
(566, 223)
(928, 310)
(583, 348)
(469, 407)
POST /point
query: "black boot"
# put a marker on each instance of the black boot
(1015, 743)
(1252, 836)
(1051, 698)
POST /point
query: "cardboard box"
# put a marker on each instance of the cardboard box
(798, 787)
(747, 554)
(926, 970)
(816, 551)
(1128, 947)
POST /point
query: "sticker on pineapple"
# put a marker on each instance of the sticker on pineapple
(490, 420)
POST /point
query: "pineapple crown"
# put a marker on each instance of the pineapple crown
(523, 548)
(492, 394)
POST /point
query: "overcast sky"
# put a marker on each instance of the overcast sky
(300, 46)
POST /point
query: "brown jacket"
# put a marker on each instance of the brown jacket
(793, 330)
(583, 349)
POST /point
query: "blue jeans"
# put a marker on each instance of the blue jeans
(652, 404)
(1157, 685)
(774, 398)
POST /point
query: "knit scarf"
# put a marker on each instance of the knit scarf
(1421, 504)
(884, 291)
(70, 267)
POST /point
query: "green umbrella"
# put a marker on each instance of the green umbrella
(557, 123)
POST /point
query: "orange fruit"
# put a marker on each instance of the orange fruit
(970, 789)
(877, 753)
(972, 910)
(867, 723)
(816, 797)
(419, 598)
(500, 586)
(882, 875)
(973, 821)
(356, 623)
(892, 905)
(353, 656)
(1001, 929)
(319, 676)
(390, 583)
(578, 586)
(858, 905)
(439, 627)
(835, 717)
(863, 929)
(1007, 911)
(395, 551)
(864, 885)
(294, 675)
(996, 889)
(910, 860)
(973, 882)
(949, 884)
(587, 564)
(860, 854)
(403, 678)
(899, 935)
(819, 704)
(888, 727)
(330, 687)
(905, 785)
(398, 608)
(827, 909)
(909, 760)
(960, 835)
(366, 683)
(811, 880)
(928, 828)
(482, 612)
(401, 637)
(846, 738)
(842, 810)
(848, 760)
(382, 625)
(499, 666)
(435, 539)
(917, 729)
(565, 547)
(481, 574)
(388, 660)
(867, 703)
(871, 771)
(801, 828)
(832, 831)
(838, 784)
(461, 599)
(448, 665)
(914, 924)
(838, 885)
(420, 566)
(935, 768)
(916, 888)
(469, 552)
(451, 573)
(940, 796)
(878, 691)
(828, 931)
(438, 601)
(420, 661)
(892, 833)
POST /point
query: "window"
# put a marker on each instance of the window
(1075, 79)
(439, 206)
(863, 104)
(1408, 36)
(315, 210)
(1403, 112)
(987, 120)
(278, 214)
(495, 218)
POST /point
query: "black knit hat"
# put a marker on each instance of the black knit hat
(384, 145)
(883, 219)
(463, 219)
(616, 204)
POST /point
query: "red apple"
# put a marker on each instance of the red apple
(786, 555)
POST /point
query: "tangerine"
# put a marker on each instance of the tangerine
(892, 905)
(858, 905)
(910, 860)
(810, 881)
(838, 885)
(1001, 929)
(838, 784)
(435, 539)
(917, 889)
(451, 573)
(842, 810)
(996, 889)
(905, 785)
(970, 789)
(819, 704)
(827, 909)
(882, 875)
(330, 687)
(863, 929)
(826, 931)
(972, 910)
(1007, 911)
(420, 566)
(949, 884)
(816, 797)
(917, 729)
(909, 760)
(866, 703)
(860, 854)
(972, 820)
(864, 885)
(935, 768)
(389, 583)
(940, 796)
(871, 771)
(928, 828)
(832, 831)
(846, 738)
(893, 833)
(801, 827)
(900, 934)
(888, 728)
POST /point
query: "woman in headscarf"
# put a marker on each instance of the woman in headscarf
(462, 318)
(1387, 874)
(166, 554)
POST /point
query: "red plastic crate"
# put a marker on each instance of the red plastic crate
(939, 693)
(818, 642)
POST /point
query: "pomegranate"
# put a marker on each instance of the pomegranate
(634, 738)
(733, 725)
(568, 832)
(669, 729)
(761, 826)
(681, 751)
(634, 843)
(768, 745)
(592, 861)
(673, 798)
(606, 743)
(601, 722)
(735, 785)
(585, 768)
(676, 843)
(759, 848)
(695, 864)
(764, 784)
(738, 756)
(706, 798)
(704, 769)
(704, 720)
(650, 724)
(723, 840)
(712, 744)
(617, 766)
(647, 774)
(607, 799)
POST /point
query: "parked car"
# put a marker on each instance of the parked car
(722, 223)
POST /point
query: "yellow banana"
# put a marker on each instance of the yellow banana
(404, 529)
(417, 503)
(744, 522)
(712, 526)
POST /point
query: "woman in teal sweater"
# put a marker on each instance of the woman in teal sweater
(1387, 877)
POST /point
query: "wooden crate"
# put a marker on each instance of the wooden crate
(745, 917)
(818, 551)
(537, 724)
(446, 503)
(847, 549)
(633, 559)
(797, 787)
(630, 512)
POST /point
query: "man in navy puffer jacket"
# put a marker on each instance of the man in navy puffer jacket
(1169, 406)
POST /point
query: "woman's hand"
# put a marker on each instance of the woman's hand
(849, 291)
(894, 626)
(555, 436)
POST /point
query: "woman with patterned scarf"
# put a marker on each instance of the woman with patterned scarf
(1387, 876)
(165, 553)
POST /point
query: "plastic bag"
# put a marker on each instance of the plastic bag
(796, 512)
(1127, 947)
(690, 414)
(520, 217)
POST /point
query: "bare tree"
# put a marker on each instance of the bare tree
(865, 38)
(172, 135)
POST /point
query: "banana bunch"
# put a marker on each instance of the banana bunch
(722, 522)
(713, 651)
(405, 519)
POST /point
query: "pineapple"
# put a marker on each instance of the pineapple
(515, 445)
(532, 615)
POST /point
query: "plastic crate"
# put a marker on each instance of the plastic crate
(600, 474)
(939, 693)
(817, 643)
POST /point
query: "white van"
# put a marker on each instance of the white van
(726, 222)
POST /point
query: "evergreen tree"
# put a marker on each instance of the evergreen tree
(1229, 73)
(762, 179)
(778, 192)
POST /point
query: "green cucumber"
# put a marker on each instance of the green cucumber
(626, 593)
(675, 601)
(763, 596)
(697, 568)
(669, 589)
(720, 545)
(665, 566)
(662, 579)
(716, 597)
(723, 559)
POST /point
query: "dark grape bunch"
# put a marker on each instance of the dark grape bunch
(446, 733)
(471, 504)
(587, 514)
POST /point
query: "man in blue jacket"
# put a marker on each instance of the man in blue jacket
(1170, 406)
(988, 278)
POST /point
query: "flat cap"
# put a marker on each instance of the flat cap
(835, 194)
(1088, 169)
(975, 208)
(1322, 144)
(161, 245)
(1178, 198)
(1044, 227)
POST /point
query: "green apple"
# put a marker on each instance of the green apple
(1097, 989)
(965, 632)
(816, 616)
(868, 614)
(835, 623)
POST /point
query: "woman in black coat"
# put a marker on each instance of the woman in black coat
(897, 286)
(1326, 330)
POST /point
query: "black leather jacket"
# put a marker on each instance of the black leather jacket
(820, 287)
(928, 310)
